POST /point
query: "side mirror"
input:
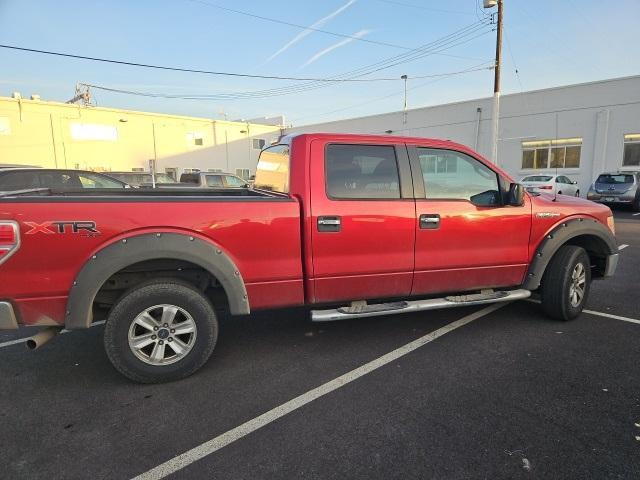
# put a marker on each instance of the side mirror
(515, 198)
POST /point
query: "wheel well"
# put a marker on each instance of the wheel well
(596, 248)
(140, 272)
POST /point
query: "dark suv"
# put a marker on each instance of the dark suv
(12, 179)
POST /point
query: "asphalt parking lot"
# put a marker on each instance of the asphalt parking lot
(506, 393)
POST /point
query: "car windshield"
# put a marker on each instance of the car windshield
(614, 179)
(537, 178)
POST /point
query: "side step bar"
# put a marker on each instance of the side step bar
(361, 309)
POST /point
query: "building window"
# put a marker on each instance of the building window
(191, 170)
(5, 126)
(631, 150)
(259, 143)
(195, 139)
(214, 170)
(243, 173)
(560, 153)
(93, 131)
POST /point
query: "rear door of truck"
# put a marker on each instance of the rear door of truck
(363, 220)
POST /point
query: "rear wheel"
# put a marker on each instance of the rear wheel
(577, 193)
(566, 283)
(160, 331)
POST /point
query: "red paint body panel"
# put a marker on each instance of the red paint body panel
(475, 247)
(264, 243)
(282, 258)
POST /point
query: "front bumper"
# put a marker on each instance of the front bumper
(8, 319)
(611, 264)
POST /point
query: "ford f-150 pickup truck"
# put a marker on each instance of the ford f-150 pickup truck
(351, 225)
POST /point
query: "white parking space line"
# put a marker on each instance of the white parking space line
(636, 214)
(600, 314)
(623, 246)
(187, 458)
(610, 315)
(22, 340)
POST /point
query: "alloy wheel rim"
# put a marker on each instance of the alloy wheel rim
(162, 334)
(578, 284)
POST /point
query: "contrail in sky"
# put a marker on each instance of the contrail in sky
(341, 43)
(306, 32)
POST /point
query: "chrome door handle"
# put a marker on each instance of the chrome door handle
(329, 224)
(429, 221)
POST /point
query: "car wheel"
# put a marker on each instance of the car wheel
(559, 193)
(566, 283)
(160, 331)
(577, 193)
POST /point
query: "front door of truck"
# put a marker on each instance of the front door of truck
(363, 217)
(465, 238)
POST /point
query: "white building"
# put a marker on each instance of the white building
(582, 129)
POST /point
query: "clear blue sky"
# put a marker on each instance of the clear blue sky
(551, 42)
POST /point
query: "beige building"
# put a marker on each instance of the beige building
(59, 135)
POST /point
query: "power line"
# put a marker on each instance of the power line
(459, 37)
(160, 67)
(307, 27)
(422, 7)
(295, 25)
(196, 96)
(477, 68)
(454, 39)
(168, 68)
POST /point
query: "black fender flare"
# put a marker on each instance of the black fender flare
(561, 234)
(152, 246)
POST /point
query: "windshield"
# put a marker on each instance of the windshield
(537, 178)
(614, 179)
(272, 172)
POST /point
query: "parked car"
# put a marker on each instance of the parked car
(12, 179)
(554, 184)
(617, 188)
(136, 179)
(213, 180)
(351, 225)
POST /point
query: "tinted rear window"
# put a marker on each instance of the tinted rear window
(537, 178)
(272, 172)
(362, 171)
(615, 179)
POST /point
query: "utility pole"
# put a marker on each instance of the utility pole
(404, 110)
(495, 114)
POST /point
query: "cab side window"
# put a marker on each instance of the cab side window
(214, 181)
(454, 175)
(361, 172)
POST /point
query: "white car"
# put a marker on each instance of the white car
(551, 184)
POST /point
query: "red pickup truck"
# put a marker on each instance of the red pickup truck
(353, 225)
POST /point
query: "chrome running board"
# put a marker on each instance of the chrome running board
(361, 309)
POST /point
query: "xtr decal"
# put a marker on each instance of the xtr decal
(85, 228)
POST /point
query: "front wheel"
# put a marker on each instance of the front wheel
(160, 331)
(577, 193)
(566, 283)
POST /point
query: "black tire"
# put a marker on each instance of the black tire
(557, 283)
(145, 296)
(577, 193)
(636, 204)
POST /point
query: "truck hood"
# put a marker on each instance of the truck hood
(567, 206)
